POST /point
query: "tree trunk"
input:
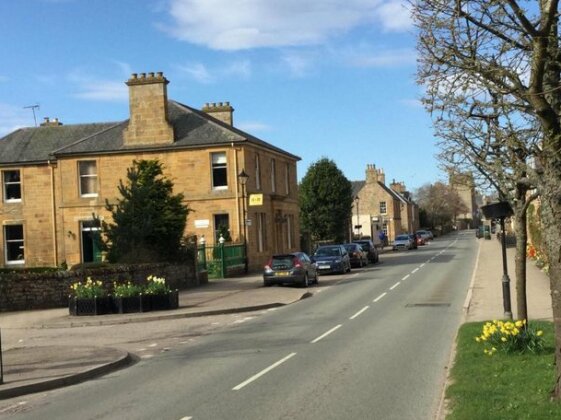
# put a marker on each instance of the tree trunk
(520, 259)
(550, 190)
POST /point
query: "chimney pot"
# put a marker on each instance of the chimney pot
(151, 74)
(160, 74)
(134, 76)
(143, 75)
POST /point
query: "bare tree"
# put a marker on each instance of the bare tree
(511, 49)
(482, 131)
(441, 203)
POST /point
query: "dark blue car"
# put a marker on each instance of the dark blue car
(332, 259)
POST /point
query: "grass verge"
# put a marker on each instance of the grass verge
(501, 386)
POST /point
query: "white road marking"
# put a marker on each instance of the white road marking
(185, 418)
(415, 270)
(406, 277)
(422, 265)
(325, 334)
(263, 372)
(239, 321)
(147, 356)
(379, 297)
(359, 312)
(11, 407)
(153, 345)
(354, 275)
(395, 285)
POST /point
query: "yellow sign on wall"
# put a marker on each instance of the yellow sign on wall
(255, 199)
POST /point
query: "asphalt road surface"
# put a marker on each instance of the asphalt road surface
(373, 345)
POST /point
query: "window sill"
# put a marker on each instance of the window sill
(18, 262)
(88, 196)
(13, 201)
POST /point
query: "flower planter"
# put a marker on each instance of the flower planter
(166, 301)
(129, 304)
(90, 306)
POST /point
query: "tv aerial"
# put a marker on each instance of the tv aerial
(33, 107)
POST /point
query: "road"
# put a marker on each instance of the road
(375, 344)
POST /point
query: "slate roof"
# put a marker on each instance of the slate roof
(357, 186)
(192, 128)
(32, 145)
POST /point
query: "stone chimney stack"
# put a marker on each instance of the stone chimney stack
(371, 174)
(47, 122)
(221, 111)
(381, 176)
(398, 187)
(148, 103)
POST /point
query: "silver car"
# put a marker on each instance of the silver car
(402, 242)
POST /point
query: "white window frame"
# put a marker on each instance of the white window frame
(6, 183)
(7, 241)
(385, 206)
(273, 176)
(257, 173)
(84, 176)
(219, 165)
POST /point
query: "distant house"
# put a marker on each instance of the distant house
(57, 177)
(464, 185)
(382, 208)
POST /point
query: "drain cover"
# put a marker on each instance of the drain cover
(429, 305)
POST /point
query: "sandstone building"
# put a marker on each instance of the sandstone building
(378, 207)
(57, 177)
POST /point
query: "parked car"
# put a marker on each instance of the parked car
(371, 250)
(420, 240)
(357, 255)
(413, 241)
(402, 242)
(332, 259)
(426, 234)
(293, 268)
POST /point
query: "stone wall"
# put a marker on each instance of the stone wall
(24, 291)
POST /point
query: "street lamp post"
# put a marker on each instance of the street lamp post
(243, 177)
(358, 225)
(502, 210)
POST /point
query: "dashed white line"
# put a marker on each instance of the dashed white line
(422, 265)
(359, 312)
(379, 297)
(325, 334)
(395, 285)
(185, 418)
(263, 372)
(415, 270)
(406, 277)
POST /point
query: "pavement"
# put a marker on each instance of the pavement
(40, 350)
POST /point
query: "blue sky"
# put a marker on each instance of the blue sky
(318, 78)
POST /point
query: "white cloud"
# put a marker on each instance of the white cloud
(197, 71)
(394, 16)
(97, 89)
(203, 74)
(253, 126)
(14, 117)
(299, 63)
(245, 24)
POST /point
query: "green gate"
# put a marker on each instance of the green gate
(221, 260)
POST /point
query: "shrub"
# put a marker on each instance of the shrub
(156, 286)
